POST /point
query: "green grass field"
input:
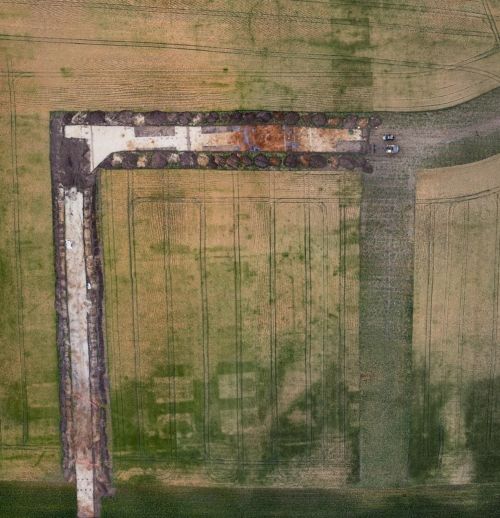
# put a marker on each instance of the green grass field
(29, 413)
(58, 501)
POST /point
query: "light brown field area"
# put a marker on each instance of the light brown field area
(456, 413)
(232, 324)
(220, 54)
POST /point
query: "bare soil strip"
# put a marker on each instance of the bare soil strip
(80, 365)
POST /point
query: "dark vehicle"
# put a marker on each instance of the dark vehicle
(392, 149)
(388, 136)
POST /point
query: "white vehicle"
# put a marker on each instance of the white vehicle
(392, 149)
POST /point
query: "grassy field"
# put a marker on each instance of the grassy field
(67, 55)
(231, 303)
(58, 501)
(29, 415)
(456, 414)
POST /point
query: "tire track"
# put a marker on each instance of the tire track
(314, 56)
(18, 254)
(169, 316)
(428, 323)
(491, 21)
(256, 14)
(490, 407)
(205, 328)
(238, 321)
(134, 302)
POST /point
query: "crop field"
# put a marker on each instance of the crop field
(231, 304)
(29, 414)
(456, 324)
(70, 55)
(308, 55)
